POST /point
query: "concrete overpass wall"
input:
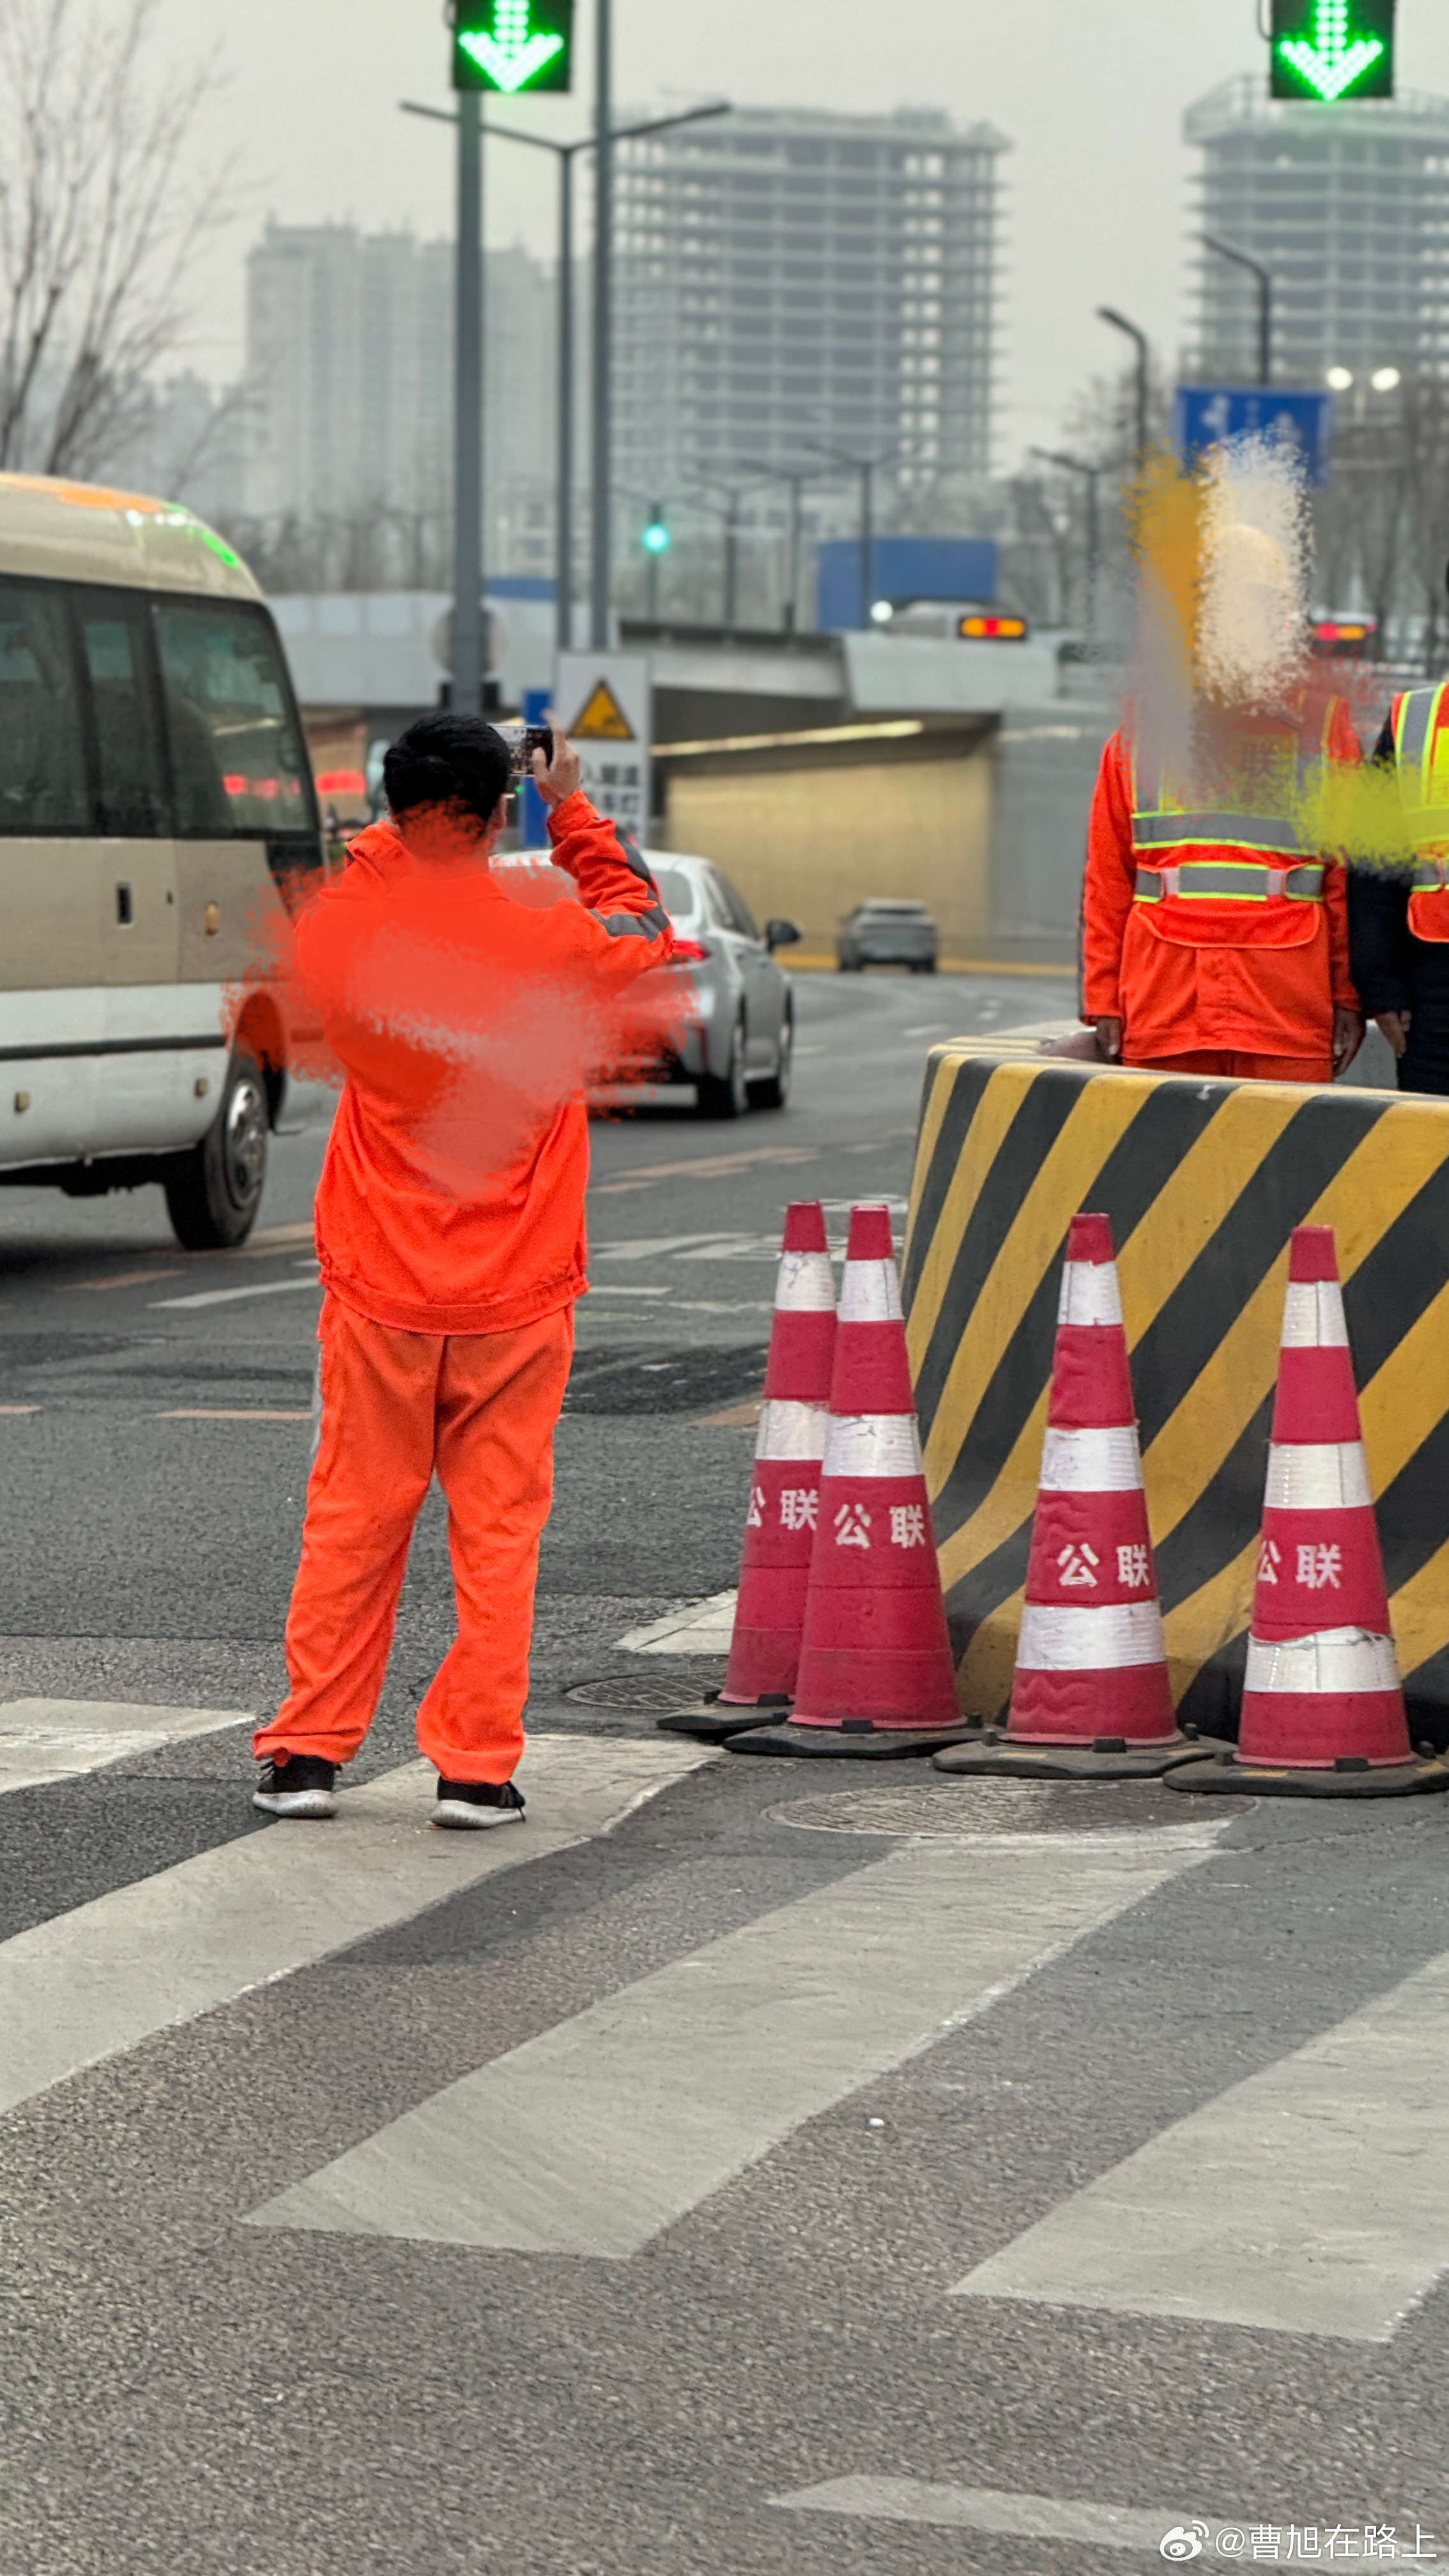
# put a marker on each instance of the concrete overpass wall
(810, 841)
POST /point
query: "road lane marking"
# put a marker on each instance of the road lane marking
(19, 1408)
(225, 1413)
(125, 1279)
(229, 1296)
(705, 1167)
(653, 1247)
(1309, 2199)
(1022, 2517)
(99, 1980)
(594, 2137)
(60, 1739)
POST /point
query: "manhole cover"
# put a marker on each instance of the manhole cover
(647, 1694)
(965, 1807)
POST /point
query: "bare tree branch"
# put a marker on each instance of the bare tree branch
(99, 224)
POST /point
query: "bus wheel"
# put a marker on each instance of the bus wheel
(213, 1193)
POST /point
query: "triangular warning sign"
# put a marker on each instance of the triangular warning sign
(603, 719)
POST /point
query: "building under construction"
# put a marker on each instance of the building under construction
(788, 280)
(1348, 209)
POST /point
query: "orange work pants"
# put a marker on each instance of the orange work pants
(479, 1408)
(1240, 1068)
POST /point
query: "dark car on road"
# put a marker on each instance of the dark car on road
(887, 934)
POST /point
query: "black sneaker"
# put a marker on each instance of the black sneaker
(300, 1786)
(475, 1803)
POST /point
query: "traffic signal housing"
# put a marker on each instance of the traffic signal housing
(1331, 50)
(513, 45)
(656, 539)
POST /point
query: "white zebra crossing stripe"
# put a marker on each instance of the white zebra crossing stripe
(144, 1958)
(601, 2132)
(1309, 2199)
(59, 1739)
(1023, 2517)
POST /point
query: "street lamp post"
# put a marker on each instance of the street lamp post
(564, 154)
(1092, 475)
(1119, 322)
(795, 481)
(865, 467)
(1264, 278)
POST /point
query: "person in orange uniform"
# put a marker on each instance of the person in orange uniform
(1214, 930)
(450, 1234)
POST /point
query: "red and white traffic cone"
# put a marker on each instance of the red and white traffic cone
(784, 1490)
(1323, 1709)
(1091, 1696)
(876, 1674)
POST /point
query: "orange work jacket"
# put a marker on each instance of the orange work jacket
(466, 1023)
(1213, 931)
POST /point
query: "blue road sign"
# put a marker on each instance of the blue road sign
(1207, 415)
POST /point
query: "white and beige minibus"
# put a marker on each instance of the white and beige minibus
(154, 793)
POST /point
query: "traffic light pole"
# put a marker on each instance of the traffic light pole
(467, 653)
(602, 557)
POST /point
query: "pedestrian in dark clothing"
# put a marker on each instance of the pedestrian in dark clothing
(1398, 916)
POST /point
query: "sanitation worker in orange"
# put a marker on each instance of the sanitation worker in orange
(450, 1234)
(1214, 924)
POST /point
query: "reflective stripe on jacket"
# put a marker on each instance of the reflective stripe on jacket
(1420, 720)
(1259, 871)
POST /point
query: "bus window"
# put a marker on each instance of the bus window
(42, 755)
(131, 797)
(236, 753)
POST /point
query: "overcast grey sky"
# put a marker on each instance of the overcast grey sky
(1090, 92)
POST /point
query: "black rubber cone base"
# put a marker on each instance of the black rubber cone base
(1110, 1758)
(856, 1741)
(1229, 1778)
(713, 1720)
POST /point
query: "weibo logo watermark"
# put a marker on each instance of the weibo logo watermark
(1185, 2540)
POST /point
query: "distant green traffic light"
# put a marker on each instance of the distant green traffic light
(513, 45)
(656, 539)
(1327, 50)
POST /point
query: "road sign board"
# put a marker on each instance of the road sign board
(1327, 50)
(513, 45)
(1209, 415)
(606, 704)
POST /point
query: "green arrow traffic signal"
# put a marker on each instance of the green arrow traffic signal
(1332, 49)
(513, 45)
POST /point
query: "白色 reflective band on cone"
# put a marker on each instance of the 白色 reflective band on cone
(1090, 1294)
(873, 1444)
(1337, 1659)
(1075, 1641)
(805, 1284)
(1313, 1316)
(870, 1293)
(1091, 1462)
(1317, 1475)
(789, 1429)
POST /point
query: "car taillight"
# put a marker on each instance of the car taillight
(689, 952)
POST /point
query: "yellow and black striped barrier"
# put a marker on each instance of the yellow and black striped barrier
(1203, 1182)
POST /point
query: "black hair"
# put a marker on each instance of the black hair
(447, 759)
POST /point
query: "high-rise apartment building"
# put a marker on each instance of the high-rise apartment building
(349, 390)
(1347, 207)
(788, 280)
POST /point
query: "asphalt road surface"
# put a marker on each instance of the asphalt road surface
(746, 2166)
